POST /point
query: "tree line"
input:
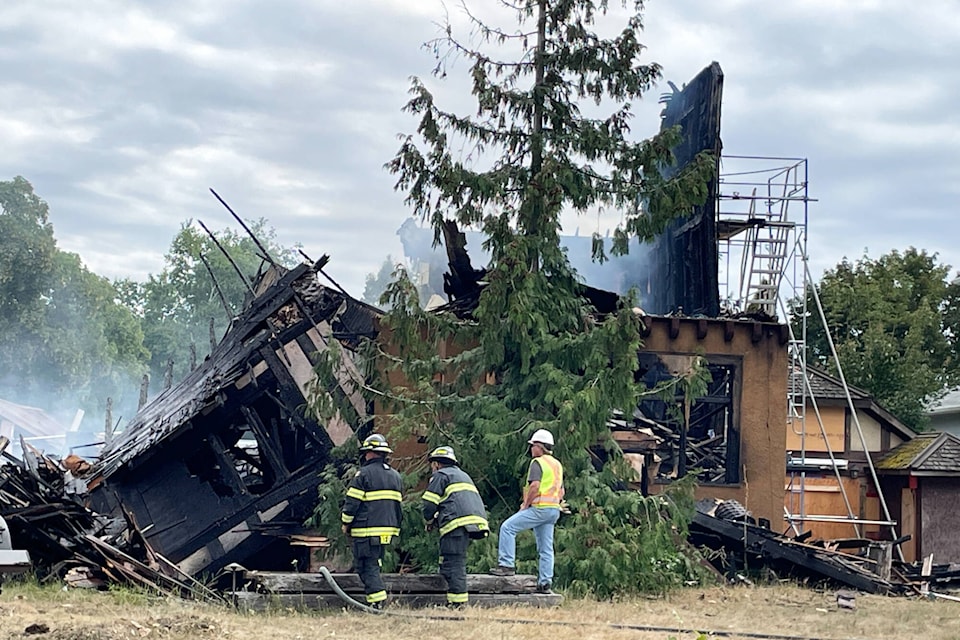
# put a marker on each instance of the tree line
(70, 339)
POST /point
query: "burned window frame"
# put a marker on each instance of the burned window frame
(725, 391)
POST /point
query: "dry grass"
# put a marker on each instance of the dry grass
(780, 610)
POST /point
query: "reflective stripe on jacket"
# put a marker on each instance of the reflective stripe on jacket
(372, 504)
(452, 498)
(551, 482)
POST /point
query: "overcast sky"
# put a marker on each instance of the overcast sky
(123, 113)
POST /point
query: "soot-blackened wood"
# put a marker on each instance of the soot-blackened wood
(283, 582)
(318, 601)
(265, 444)
(781, 553)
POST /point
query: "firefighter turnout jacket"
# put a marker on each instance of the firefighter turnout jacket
(372, 505)
(452, 498)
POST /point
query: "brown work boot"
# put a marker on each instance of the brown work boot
(503, 571)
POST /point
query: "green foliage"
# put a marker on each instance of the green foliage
(27, 252)
(535, 354)
(621, 542)
(177, 306)
(895, 324)
(65, 341)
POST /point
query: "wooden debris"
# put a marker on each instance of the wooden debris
(762, 547)
(312, 591)
(846, 599)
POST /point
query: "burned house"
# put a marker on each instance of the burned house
(218, 468)
(731, 437)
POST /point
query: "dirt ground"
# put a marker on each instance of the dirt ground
(779, 611)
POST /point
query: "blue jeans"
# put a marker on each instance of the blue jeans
(541, 521)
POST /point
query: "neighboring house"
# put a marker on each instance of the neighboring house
(922, 480)
(944, 413)
(32, 424)
(813, 490)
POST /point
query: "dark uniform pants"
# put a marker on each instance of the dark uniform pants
(453, 564)
(367, 557)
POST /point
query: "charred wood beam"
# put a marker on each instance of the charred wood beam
(265, 444)
(318, 268)
(229, 258)
(226, 463)
(216, 287)
(300, 424)
(263, 250)
(144, 385)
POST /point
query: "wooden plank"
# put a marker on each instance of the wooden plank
(295, 583)
(317, 601)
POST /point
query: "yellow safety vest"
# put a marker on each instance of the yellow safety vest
(551, 482)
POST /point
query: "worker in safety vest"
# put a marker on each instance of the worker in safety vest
(371, 514)
(452, 504)
(539, 511)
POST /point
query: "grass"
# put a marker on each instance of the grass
(779, 609)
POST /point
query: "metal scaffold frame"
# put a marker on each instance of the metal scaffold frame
(762, 216)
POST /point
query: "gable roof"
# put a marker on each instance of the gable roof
(824, 386)
(929, 453)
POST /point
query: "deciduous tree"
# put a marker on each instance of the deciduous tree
(65, 341)
(895, 327)
(177, 305)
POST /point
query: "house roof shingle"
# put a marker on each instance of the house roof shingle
(932, 452)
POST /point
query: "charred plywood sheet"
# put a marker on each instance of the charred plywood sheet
(205, 466)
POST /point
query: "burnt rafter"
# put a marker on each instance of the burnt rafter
(708, 439)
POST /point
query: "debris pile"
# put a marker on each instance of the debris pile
(42, 516)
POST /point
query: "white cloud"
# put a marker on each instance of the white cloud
(124, 113)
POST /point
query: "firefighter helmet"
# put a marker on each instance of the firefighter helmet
(443, 454)
(375, 442)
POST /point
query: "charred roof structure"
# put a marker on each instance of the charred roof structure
(682, 273)
(215, 467)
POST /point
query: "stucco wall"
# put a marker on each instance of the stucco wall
(762, 410)
(872, 433)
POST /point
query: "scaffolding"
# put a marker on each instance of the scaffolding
(762, 215)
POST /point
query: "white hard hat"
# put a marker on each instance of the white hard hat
(541, 436)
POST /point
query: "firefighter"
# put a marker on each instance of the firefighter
(452, 504)
(539, 511)
(371, 514)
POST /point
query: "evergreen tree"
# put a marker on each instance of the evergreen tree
(534, 354)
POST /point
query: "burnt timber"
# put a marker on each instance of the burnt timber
(749, 546)
(307, 591)
(214, 467)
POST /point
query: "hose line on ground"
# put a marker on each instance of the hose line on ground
(343, 594)
(566, 623)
